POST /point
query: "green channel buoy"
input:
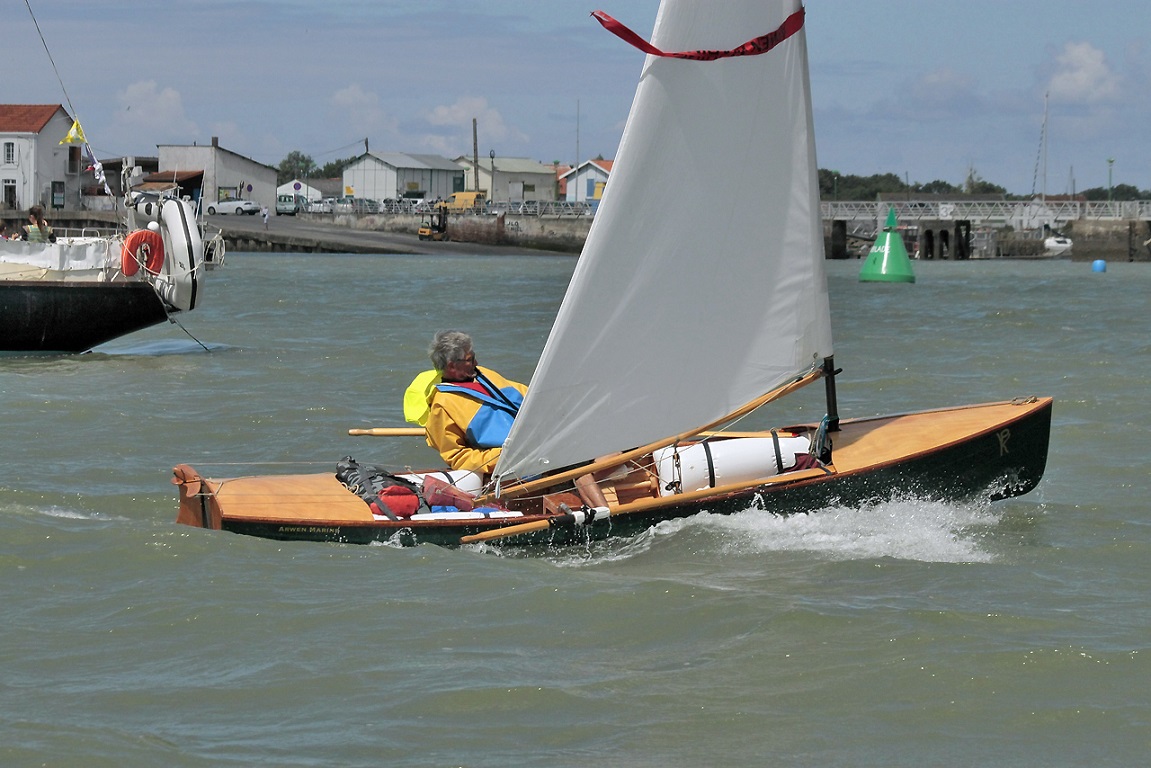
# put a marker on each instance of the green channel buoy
(887, 262)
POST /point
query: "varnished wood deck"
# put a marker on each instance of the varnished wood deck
(865, 443)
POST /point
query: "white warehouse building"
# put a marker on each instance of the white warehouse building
(396, 175)
(226, 173)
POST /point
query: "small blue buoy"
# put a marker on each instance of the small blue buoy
(1099, 265)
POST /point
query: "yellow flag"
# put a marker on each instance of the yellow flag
(75, 134)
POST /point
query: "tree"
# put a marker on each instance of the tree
(333, 169)
(937, 187)
(296, 165)
(975, 185)
(1118, 192)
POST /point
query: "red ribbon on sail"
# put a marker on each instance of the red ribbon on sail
(754, 47)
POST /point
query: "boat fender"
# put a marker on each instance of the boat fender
(712, 463)
(143, 246)
(778, 455)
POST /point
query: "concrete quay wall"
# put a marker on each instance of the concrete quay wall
(1109, 239)
(551, 233)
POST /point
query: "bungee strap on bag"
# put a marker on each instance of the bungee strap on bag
(386, 494)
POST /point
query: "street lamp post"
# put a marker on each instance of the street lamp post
(492, 192)
(1110, 162)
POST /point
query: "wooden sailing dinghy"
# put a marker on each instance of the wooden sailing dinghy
(682, 313)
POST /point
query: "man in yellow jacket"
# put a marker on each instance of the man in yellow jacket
(472, 409)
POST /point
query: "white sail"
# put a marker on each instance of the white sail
(701, 284)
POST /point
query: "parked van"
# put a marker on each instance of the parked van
(290, 205)
(466, 201)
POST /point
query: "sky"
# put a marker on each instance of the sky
(924, 89)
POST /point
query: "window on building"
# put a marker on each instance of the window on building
(9, 192)
(73, 159)
(9, 152)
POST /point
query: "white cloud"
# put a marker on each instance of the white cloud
(361, 112)
(489, 122)
(941, 90)
(1082, 75)
(153, 113)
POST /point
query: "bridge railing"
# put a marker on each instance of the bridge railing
(1021, 214)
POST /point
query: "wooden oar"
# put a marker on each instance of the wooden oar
(642, 505)
(388, 432)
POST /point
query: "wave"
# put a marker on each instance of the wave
(906, 528)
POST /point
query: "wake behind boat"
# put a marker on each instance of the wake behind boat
(683, 317)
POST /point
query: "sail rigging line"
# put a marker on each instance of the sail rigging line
(172, 319)
(1041, 154)
(171, 314)
(538, 484)
(52, 61)
(97, 168)
(753, 47)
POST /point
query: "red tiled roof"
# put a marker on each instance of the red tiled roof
(26, 118)
(172, 176)
(155, 186)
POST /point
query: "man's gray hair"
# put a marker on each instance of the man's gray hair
(449, 347)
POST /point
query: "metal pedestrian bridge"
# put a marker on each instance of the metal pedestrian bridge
(1019, 214)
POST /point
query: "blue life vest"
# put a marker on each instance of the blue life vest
(490, 426)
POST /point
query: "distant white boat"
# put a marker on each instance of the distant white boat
(1057, 246)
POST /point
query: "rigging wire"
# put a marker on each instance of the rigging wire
(52, 61)
(1039, 155)
(172, 319)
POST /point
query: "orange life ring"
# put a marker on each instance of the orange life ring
(142, 246)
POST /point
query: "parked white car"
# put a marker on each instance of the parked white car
(232, 205)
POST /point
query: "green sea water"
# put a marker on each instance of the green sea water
(908, 633)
